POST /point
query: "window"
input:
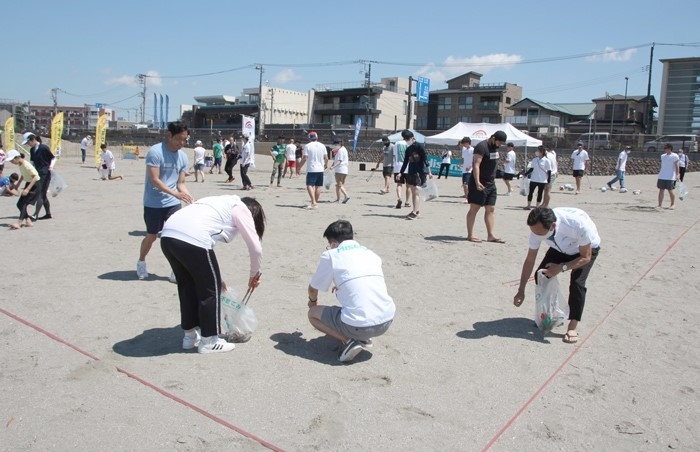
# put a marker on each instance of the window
(465, 119)
(405, 107)
(422, 122)
(444, 122)
(485, 119)
(465, 103)
(444, 103)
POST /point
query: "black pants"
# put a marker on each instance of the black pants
(43, 199)
(82, 154)
(230, 163)
(198, 284)
(540, 189)
(682, 173)
(446, 167)
(25, 201)
(577, 284)
(244, 176)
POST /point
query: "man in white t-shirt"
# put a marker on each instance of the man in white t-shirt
(683, 162)
(668, 175)
(574, 243)
(580, 160)
(620, 170)
(198, 158)
(354, 274)
(445, 163)
(399, 154)
(317, 158)
(509, 167)
(290, 154)
(84, 143)
(552, 157)
(467, 161)
(108, 164)
(341, 162)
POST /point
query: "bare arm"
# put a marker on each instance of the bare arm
(525, 273)
(182, 193)
(476, 171)
(585, 255)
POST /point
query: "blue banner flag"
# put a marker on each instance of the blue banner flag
(155, 111)
(358, 126)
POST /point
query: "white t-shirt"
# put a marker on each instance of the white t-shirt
(540, 166)
(580, 159)
(509, 167)
(84, 143)
(315, 153)
(447, 156)
(467, 159)
(246, 158)
(574, 228)
(683, 160)
(552, 156)
(216, 219)
(199, 155)
(340, 161)
(399, 153)
(361, 289)
(290, 152)
(621, 161)
(108, 159)
(668, 166)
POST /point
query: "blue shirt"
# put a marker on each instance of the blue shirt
(4, 181)
(171, 164)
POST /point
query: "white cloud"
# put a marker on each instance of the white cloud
(454, 66)
(612, 54)
(154, 78)
(133, 81)
(286, 76)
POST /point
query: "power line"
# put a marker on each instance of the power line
(206, 74)
(90, 95)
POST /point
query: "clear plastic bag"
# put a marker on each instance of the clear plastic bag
(429, 191)
(238, 321)
(57, 184)
(328, 179)
(548, 314)
(682, 190)
(525, 186)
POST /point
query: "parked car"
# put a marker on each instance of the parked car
(598, 140)
(688, 142)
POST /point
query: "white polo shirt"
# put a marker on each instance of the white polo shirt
(574, 229)
(357, 273)
(579, 159)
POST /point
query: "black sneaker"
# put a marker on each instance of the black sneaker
(412, 216)
(349, 350)
(398, 204)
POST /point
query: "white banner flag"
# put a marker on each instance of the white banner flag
(248, 128)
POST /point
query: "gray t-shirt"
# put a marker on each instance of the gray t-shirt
(171, 164)
(389, 155)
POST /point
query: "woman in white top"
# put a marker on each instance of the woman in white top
(188, 240)
(445, 163)
(539, 173)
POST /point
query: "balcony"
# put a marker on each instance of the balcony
(488, 106)
(534, 121)
(344, 107)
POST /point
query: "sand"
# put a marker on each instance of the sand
(460, 369)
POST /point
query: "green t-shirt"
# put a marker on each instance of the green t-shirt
(218, 151)
(280, 149)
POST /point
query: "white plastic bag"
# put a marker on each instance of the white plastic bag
(548, 314)
(682, 190)
(238, 321)
(328, 179)
(429, 191)
(525, 186)
(57, 184)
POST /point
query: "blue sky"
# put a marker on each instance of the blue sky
(97, 49)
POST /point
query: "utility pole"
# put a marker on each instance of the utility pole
(409, 106)
(648, 110)
(624, 121)
(142, 81)
(261, 113)
(54, 97)
(368, 83)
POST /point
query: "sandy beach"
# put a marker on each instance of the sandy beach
(92, 356)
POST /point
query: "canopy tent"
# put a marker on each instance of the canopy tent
(393, 138)
(479, 132)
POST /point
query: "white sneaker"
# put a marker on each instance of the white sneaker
(191, 339)
(172, 278)
(141, 271)
(623, 190)
(214, 344)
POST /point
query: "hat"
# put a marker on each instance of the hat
(313, 135)
(580, 143)
(385, 138)
(510, 145)
(28, 136)
(500, 136)
(628, 147)
(11, 154)
(198, 143)
(337, 140)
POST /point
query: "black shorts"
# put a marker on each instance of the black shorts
(387, 171)
(508, 176)
(155, 217)
(663, 184)
(486, 197)
(314, 179)
(416, 179)
(402, 178)
(578, 173)
(465, 178)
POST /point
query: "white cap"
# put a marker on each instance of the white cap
(198, 143)
(11, 154)
(27, 136)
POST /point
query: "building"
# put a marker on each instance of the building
(623, 115)
(382, 105)
(539, 118)
(679, 112)
(94, 114)
(75, 119)
(466, 99)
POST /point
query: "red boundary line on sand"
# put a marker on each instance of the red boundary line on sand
(147, 384)
(582, 343)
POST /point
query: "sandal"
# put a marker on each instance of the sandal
(571, 337)
(474, 239)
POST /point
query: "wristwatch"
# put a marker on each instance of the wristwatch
(564, 267)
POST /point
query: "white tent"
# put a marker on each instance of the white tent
(479, 132)
(393, 138)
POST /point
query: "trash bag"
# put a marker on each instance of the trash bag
(238, 321)
(57, 184)
(429, 191)
(682, 190)
(548, 314)
(525, 186)
(328, 179)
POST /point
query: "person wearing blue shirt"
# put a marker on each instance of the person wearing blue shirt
(165, 189)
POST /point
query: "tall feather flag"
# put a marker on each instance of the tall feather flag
(56, 134)
(10, 133)
(100, 137)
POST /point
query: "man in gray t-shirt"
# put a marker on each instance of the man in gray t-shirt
(386, 158)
